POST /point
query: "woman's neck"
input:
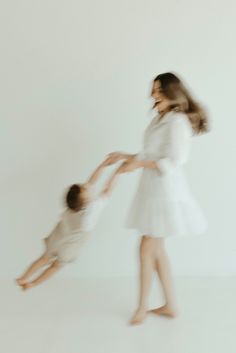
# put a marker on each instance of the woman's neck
(162, 114)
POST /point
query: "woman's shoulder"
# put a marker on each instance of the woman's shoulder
(171, 116)
(172, 120)
(180, 120)
(178, 116)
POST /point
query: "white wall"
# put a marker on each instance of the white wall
(75, 80)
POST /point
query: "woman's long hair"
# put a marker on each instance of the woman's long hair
(181, 100)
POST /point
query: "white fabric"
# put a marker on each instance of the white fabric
(163, 204)
(92, 213)
(72, 230)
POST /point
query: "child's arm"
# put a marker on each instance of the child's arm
(111, 159)
(111, 182)
(98, 171)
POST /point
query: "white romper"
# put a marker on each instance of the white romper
(163, 205)
(72, 230)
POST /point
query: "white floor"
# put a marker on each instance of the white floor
(90, 316)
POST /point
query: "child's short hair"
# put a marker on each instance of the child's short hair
(73, 200)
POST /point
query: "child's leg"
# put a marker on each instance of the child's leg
(43, 260)
(55, 266)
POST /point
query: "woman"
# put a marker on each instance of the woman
(163, 205)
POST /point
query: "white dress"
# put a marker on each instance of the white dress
(65, 241)
(163, 205)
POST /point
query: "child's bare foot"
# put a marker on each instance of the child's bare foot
(164, 310)
(21, 281)
(138, 317)
(27, 285)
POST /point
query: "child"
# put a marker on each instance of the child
(80, 217)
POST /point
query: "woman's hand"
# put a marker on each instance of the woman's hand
(117, 156)
(129, 166)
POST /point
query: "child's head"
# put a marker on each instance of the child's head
(170, 93)
(77, 197)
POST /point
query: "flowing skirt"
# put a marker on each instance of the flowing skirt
(164, 206)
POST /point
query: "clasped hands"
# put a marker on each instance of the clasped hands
(129, 164)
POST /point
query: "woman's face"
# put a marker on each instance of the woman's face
(162, 103)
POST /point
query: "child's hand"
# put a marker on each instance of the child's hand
(108, 161)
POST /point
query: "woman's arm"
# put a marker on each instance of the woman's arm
(176, 147)
(132, 164)
(148, 164)
(117, 156)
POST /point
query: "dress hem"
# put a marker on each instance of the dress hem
(176, 235)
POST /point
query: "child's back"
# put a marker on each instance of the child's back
(73, 228)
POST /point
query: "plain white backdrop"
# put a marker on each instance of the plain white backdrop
(75, 84)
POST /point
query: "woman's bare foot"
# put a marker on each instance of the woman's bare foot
(138, 317)
(164, 310)
(21, 281)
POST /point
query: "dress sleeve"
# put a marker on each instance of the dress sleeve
(140, 156)
(176, 146)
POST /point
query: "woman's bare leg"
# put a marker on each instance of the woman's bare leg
(55, 266)
(43, 260)
(147, 267)
(163, 269)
